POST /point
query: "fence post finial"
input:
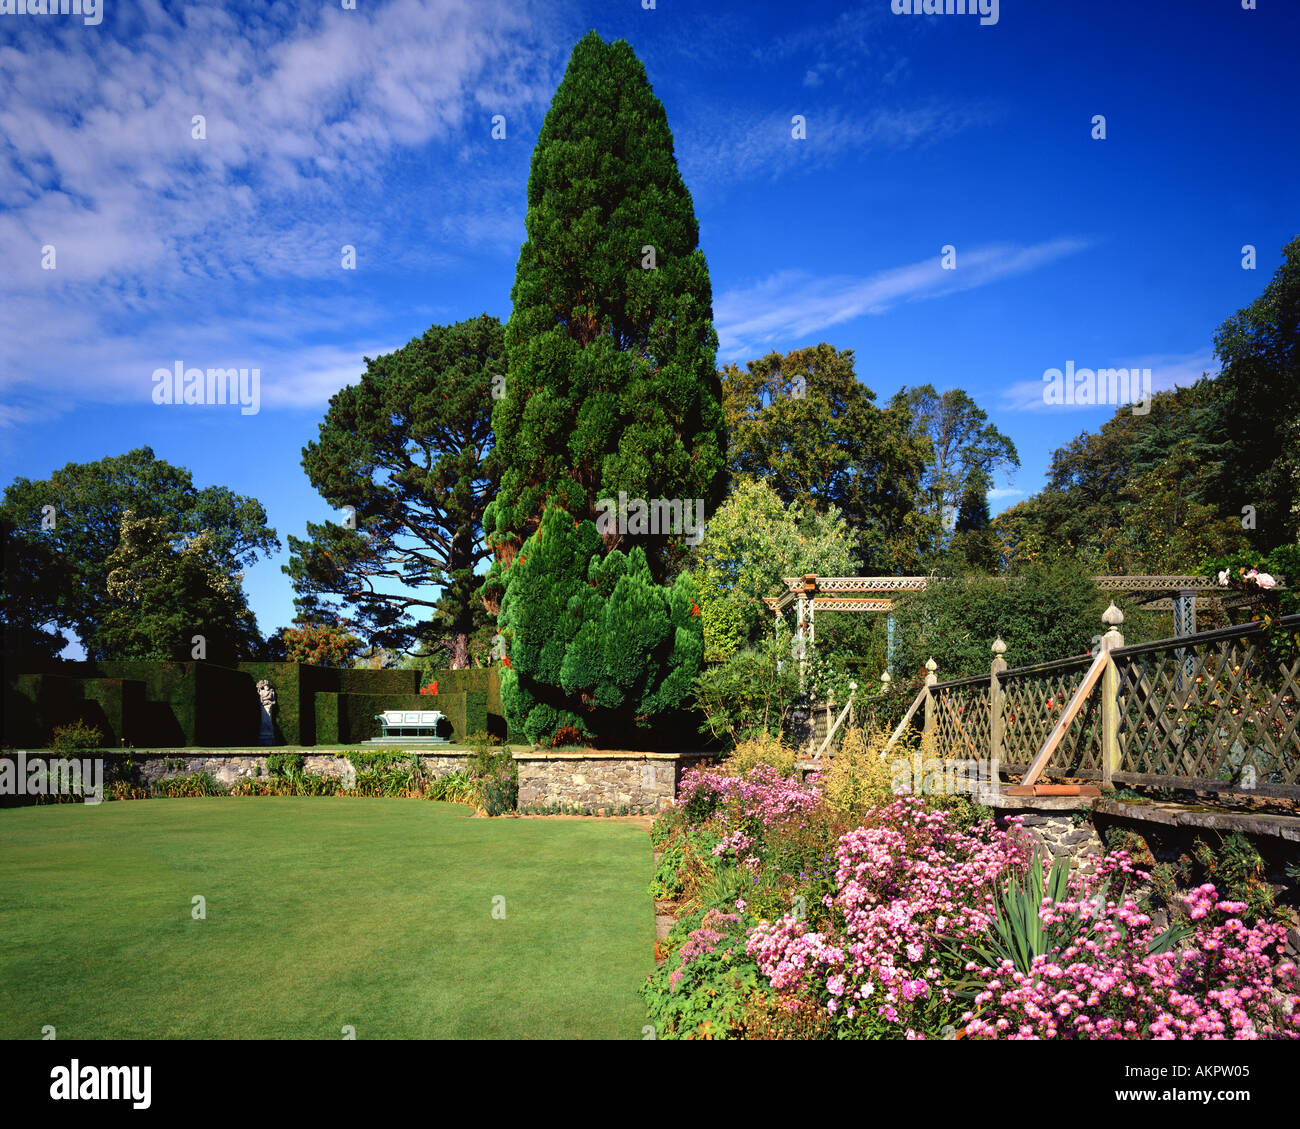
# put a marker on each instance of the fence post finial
(1112, 617)
(931, 666)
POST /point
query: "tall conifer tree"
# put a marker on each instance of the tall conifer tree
(611, 387)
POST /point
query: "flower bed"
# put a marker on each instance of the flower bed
(919, 918)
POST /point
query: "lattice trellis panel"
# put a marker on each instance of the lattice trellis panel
(1032, 702)
(1225, 710)
(962, 721)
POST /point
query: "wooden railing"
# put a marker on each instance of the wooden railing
(1214, 711)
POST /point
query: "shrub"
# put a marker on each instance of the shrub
(705, 989)
(454, 788)
(181, 787)
(686, 860)
(76, 736)
(858, 777)
(284, 765)
(483, 737)
(496, 779)
(568, 736)
(750, 694)
(763, 748)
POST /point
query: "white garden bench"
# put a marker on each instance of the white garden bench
(409, 723)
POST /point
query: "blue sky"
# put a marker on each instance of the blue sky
(372, 127)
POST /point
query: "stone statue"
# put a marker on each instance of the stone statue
(266, 696)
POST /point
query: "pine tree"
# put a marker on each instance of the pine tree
(611, 387)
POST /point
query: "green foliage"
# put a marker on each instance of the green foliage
(1018, 933)
(29, 586)
(1282, 563)
(594, 643)
(284, 765)
(686, 859)
(754, 541)
(750, 694)
(64, 578)
(1237, 870)
(966, 452)
(708, 990)
(185, 787)
(160, 595)
(611, 388)
(495, 779)
(1053, 610)
(806, 426)
(1256, 407)
(76, 736)
(410, 448)
(611, 383)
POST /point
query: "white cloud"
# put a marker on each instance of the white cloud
(734, 144)
(1168, 371)
(791, 305)
(163, 241)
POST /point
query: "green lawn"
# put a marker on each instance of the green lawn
(321, 912)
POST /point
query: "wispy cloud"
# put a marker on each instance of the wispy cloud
(791, 305)
(324, 127)
(735, 144)
(1168, 371)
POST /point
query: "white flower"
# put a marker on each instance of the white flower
(1265, 581)
(1223, 578)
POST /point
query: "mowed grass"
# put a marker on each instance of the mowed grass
(321, 913)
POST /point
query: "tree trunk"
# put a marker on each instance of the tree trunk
(460, 651)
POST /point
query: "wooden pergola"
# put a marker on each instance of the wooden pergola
(811, 594)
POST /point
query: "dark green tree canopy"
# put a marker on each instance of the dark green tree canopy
(611, 389)
(967, 451)
(410, 448)
(89, 501)
(164, 595)
(32, 578)
(595, 644)
(1257, 407)
(611, 382)
(802, 423)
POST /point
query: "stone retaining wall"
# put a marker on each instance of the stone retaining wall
(594, 781)
(1061, 833)
(589, 781)
(233, 766)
